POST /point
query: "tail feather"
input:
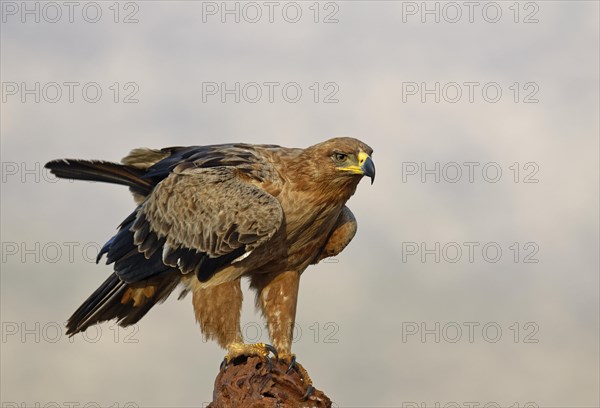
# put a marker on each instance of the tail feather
(96, 170)
(115, 299)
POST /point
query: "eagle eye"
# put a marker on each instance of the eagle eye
(340, 157)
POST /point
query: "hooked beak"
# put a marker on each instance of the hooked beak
(368, 168)
(364, 167)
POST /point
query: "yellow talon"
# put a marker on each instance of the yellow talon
(236, 350)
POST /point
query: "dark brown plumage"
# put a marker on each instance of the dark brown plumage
(208, 215)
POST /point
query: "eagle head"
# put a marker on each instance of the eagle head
(344, 159)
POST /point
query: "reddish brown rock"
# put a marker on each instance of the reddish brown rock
(249, 383)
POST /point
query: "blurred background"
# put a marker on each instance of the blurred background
(474, 275)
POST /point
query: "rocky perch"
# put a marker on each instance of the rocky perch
(252, 383)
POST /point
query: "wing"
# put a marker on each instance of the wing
(158, 164)
(342, 233)
(196, 220)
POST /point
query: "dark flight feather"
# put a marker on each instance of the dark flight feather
(96, 170)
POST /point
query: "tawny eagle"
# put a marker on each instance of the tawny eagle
(207, 216)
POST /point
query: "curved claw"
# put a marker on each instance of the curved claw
(269, 364)
(303, 374)
(309, 391)
(292, 364)
(223, 366)
(272, 350)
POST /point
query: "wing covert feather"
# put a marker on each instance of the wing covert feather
(199, 212)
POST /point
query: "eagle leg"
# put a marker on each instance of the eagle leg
(277, 296)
